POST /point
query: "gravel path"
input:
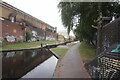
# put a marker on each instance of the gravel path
(71, 66)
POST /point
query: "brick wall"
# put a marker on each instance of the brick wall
(9, 28)
(16, 30)
(20, 15)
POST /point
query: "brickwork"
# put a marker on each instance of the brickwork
(31, 23)
(20, 15)
(14, 29)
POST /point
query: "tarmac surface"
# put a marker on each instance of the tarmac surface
(71, 66)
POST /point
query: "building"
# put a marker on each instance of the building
(64, 32)
(15, 23)
(61, 38)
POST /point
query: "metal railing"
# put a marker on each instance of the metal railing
(105, 66)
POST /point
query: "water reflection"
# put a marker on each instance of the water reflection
(44, 68)
(17, 64)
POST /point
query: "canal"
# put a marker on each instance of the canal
(36, 63)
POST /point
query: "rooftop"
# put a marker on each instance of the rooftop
(22, 12)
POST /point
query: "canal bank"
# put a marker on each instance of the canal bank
(26, 62)
(34, 46)
(25, 45)
(71, 66)
(38, 63)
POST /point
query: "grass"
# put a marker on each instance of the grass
(24, 45)
(60, 51)
(87, 52)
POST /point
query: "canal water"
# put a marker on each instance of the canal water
(38, 63)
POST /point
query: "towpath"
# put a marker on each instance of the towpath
(71, 66)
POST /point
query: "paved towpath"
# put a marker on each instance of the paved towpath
(71, 66)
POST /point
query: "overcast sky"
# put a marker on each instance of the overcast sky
(45, 10)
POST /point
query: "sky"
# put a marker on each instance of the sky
(45, 10)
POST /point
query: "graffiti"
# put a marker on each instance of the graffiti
(10, 38)
(34, 33)
(105, 43)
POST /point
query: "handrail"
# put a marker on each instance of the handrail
(105, 65)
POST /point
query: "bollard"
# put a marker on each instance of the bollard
(41, 46)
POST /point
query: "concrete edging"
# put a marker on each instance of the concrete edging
(57, 56)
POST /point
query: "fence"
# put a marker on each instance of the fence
(106, 66)
(108, 36)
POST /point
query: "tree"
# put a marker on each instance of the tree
(85, 15)
(28, 36)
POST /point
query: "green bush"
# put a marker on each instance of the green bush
(28, 36)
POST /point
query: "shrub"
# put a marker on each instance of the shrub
(28, 36)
